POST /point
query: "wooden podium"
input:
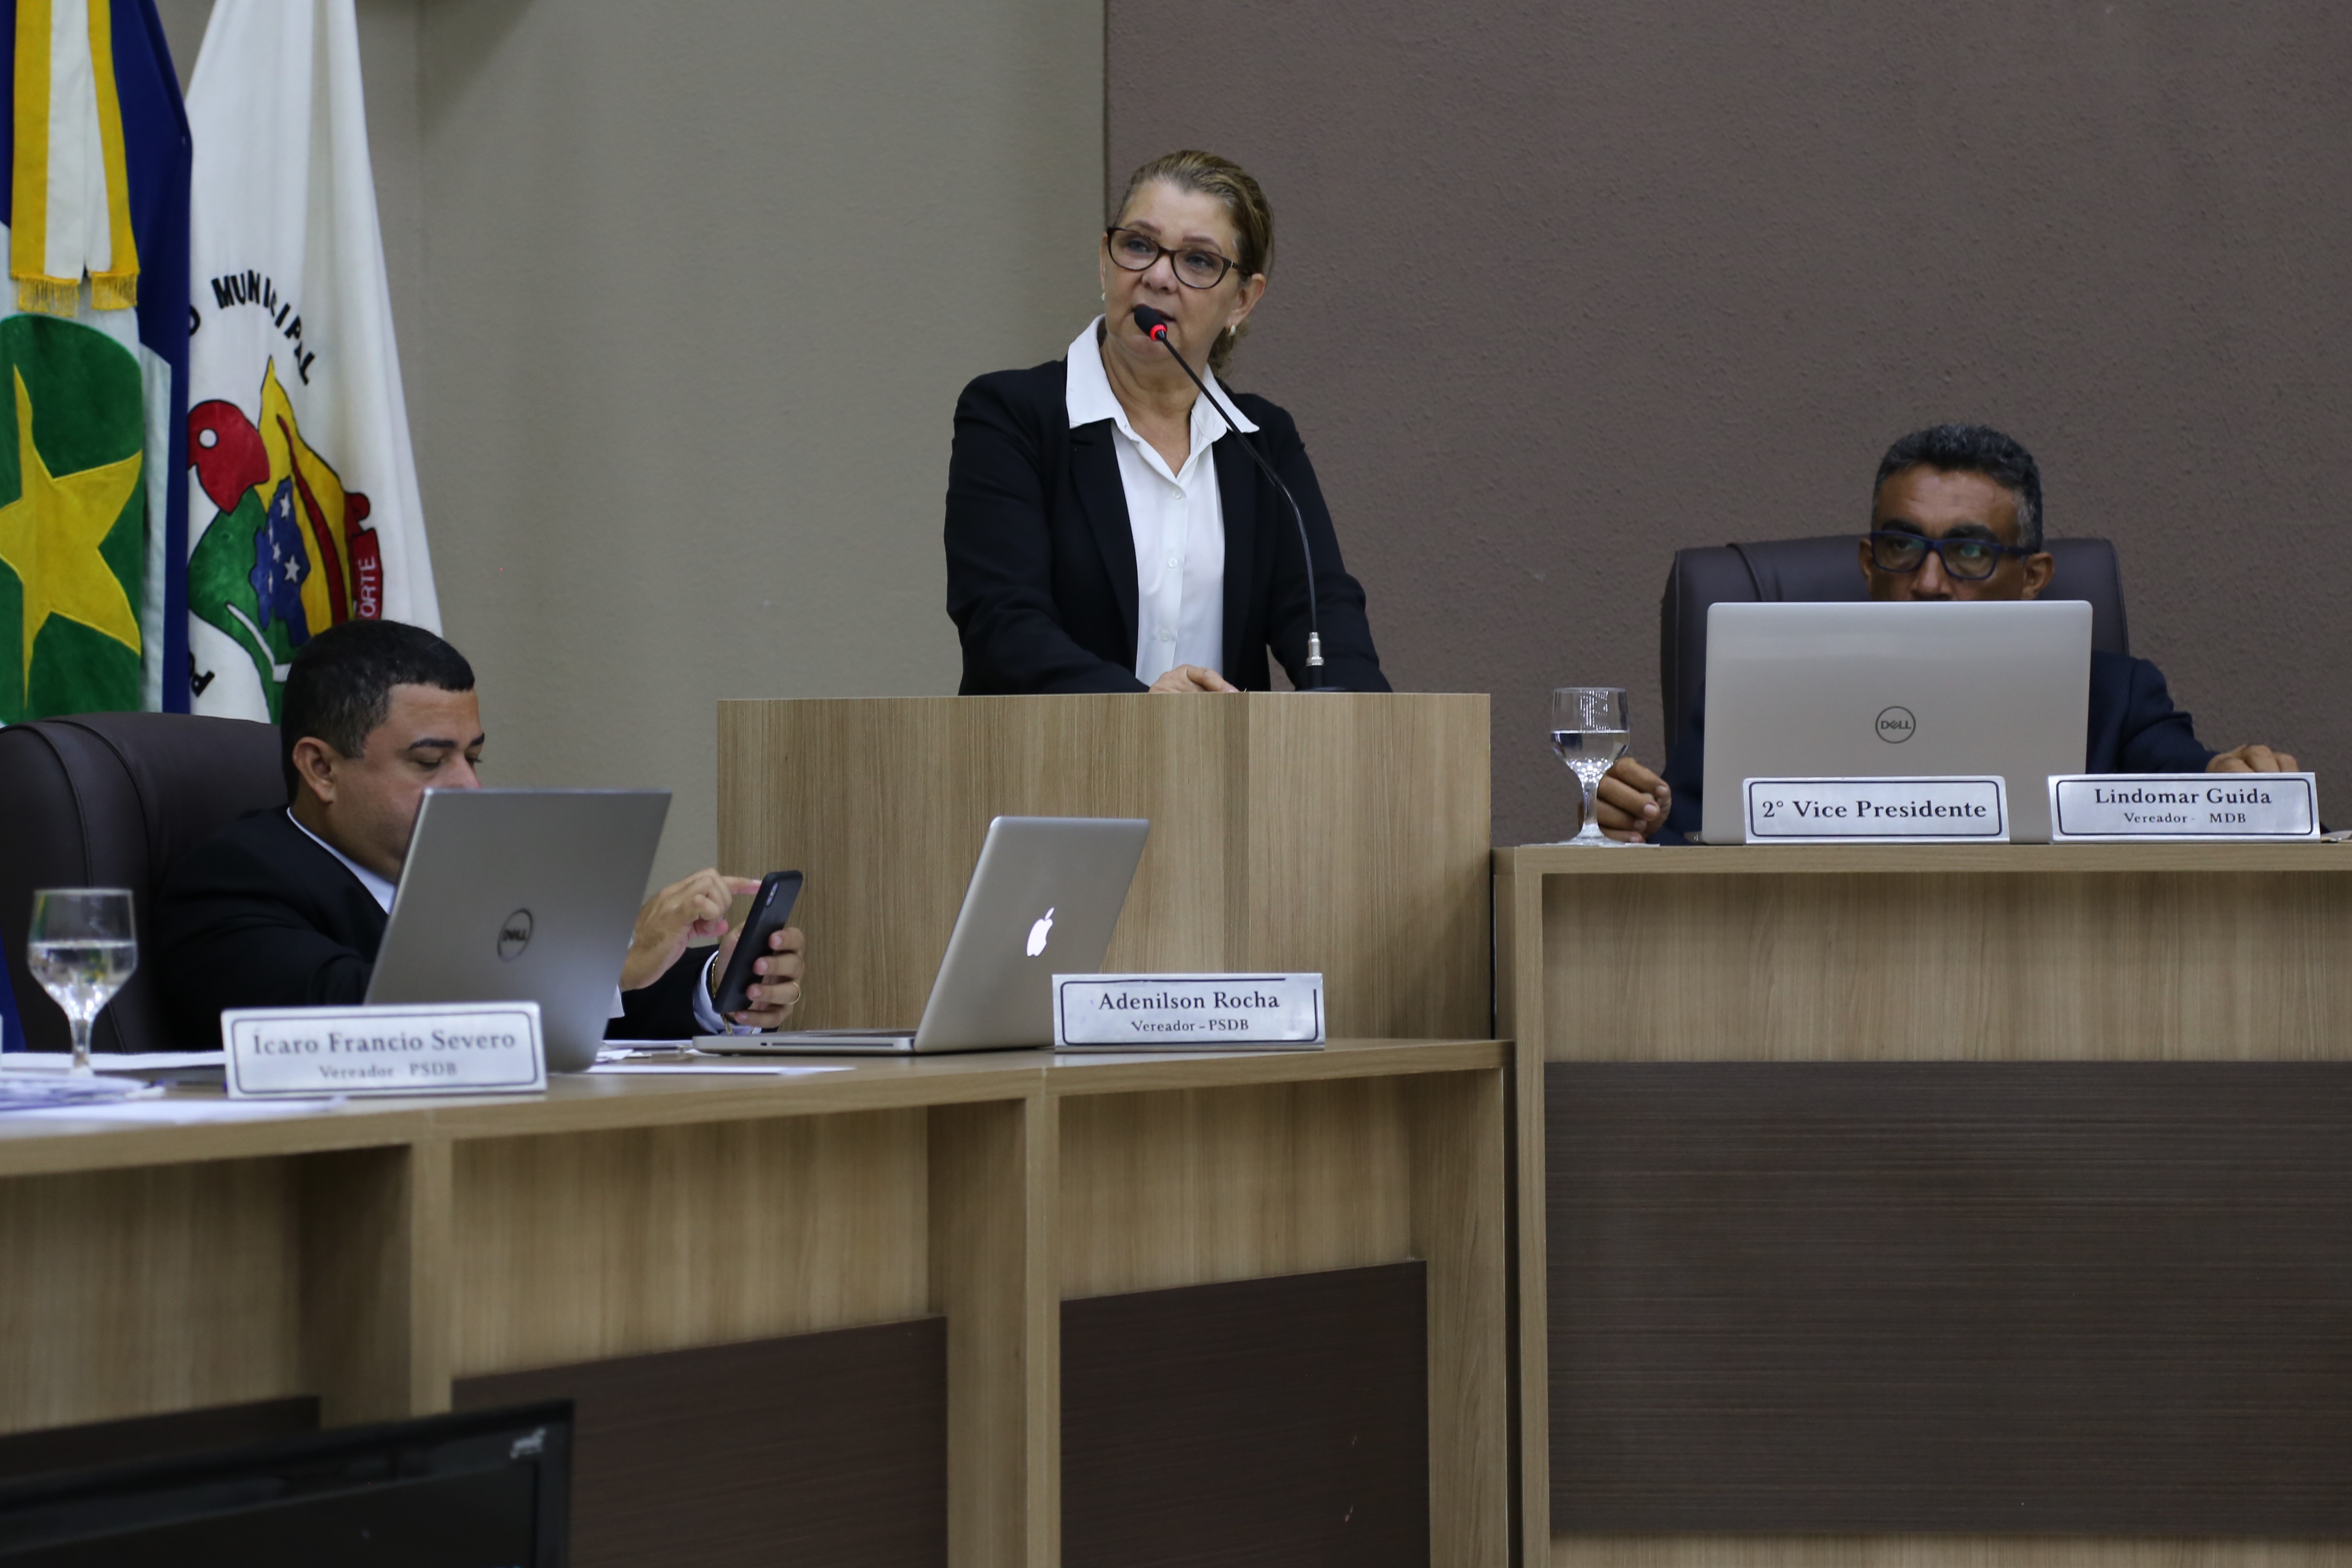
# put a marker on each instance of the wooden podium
(1346, 834)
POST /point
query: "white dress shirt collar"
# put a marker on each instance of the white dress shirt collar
(1088, 395)
(376, 886)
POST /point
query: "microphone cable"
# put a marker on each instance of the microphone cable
(1155, 325)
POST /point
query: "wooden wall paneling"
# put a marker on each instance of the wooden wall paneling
(130, 1292)
(2116, 965)
(1936, 1551)
(992, 1279)
(375, 1279)
(571, 1246)
(1458, 1185)
(1276, 1421)
(1042, 1325)
(828, 1448)
(1189, 1186)
(2092, 1297)
(1520, 983)
(1365, 832)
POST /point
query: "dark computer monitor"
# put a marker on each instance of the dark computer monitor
(486, 1490)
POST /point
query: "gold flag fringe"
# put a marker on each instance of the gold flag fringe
(49, 296)
(56, 297)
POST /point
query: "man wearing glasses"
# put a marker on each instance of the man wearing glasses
(1957, 514)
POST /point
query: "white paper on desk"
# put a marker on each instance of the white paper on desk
(169, 1112)
(711, 1069)
(26, 1091)
(132, 1063)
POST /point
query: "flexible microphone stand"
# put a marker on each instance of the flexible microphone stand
(1155, 325)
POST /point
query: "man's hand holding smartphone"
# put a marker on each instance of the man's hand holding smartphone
(761, 964)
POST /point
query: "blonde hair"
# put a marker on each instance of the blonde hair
(1211, 175)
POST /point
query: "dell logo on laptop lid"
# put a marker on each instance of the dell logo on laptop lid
(514, 935)
(1895, 725)
(1040, 932)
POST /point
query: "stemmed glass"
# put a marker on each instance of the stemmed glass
(1590, 732)
(82, 949)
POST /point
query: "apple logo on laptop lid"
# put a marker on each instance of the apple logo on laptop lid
(1040, 932)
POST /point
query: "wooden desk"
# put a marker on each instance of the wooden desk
(1982, 1204)
(1060, 1237)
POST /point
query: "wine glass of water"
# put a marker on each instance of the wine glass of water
(1590, 730)
(82, 949)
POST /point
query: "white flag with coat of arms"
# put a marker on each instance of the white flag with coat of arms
(304, 513)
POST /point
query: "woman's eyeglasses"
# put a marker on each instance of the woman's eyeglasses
(1195, 267)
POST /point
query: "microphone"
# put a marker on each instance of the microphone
(1155, 325)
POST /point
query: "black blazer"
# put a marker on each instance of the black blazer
(260, 915)
(2134, 728)
(1041, 556)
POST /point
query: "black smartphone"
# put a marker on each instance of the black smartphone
(772, 911)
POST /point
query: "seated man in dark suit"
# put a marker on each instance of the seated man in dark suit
(1970, 498)
(287, 907)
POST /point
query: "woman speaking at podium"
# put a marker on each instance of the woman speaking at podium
(1108, 530)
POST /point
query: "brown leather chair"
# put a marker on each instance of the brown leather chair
(112, 800)
(1823, 570)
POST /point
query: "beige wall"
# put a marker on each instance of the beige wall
(685, 295)
(702, 283)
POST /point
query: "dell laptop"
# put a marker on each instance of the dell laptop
(1879, 691)
(1044, 900)
(522, 895)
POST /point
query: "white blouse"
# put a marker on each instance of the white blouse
(1177, 520)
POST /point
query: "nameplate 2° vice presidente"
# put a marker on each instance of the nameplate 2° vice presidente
(2131, 807)
(1949, 810)
(461, 1048)
(1187, 1012)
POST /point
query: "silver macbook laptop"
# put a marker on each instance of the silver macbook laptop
(522, 895)
(1872, 690)
(1044, 900)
